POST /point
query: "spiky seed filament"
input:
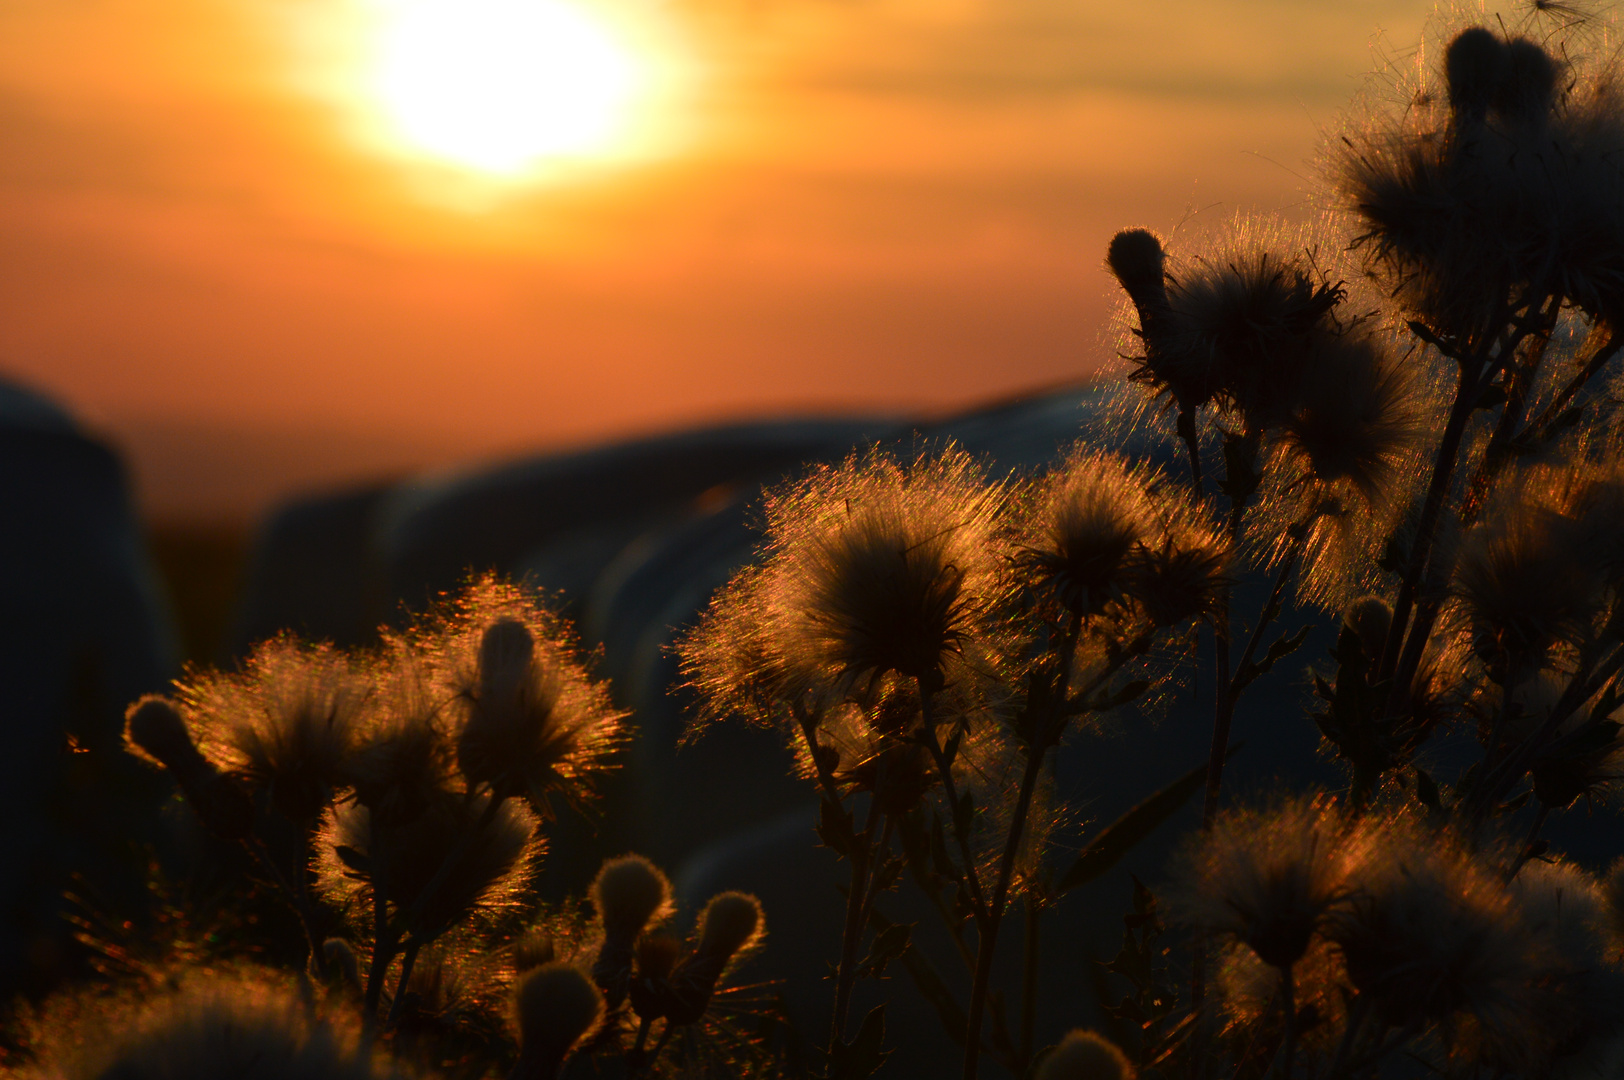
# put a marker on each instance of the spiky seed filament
(555, 1007)
(1085, 1055)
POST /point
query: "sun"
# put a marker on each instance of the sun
(503, 86)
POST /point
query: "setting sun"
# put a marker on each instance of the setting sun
(499, 86)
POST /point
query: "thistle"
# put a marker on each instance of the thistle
(555, 1008)
(1084, 1055)
(730, 923)
(533, 723)
(1271, 879)
(155, 731)
(287, 723)
(630, 893)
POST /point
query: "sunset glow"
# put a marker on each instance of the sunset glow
(499, 86)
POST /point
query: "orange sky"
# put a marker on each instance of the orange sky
(875, 204)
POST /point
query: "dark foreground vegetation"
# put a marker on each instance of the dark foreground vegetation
(1402, 416)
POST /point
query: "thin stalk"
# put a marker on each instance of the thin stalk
(987, 938)
(1520, 381)
(1358, 1013)
(852, 935)
(408, 958)
(1192, 443)
(1029, 978)
(950, 788)
(1288, 1002)
(1536, 428)
(256, 847)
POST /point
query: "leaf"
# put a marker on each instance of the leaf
(1426, 790)
(930, 985)
(1118, 838)
(1282, 647)
(862, 1057)
(888, 945)
(835, 828)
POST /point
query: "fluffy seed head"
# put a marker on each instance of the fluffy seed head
(533, 723)
(155, 731)
(1433, 937)
(287, 723)
(493, 859)
(1369, 617)
(1270, 879)
(1085, 1055)
(1528, 88)
(1182, 575)
(247, 1026)
(555, 1007)
(876, 566)
(1089, 516)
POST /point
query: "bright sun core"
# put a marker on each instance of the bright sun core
(501, 86)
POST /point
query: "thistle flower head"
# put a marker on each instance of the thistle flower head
(401, 763)
(1271, 879)
(1085, 1055)
(1090, 515)
(287, 723)
(555, 1008)
(1249, 318)
(1522, 577)
(1357, 421)
(1432, 937)
(490, 851)
(875, 566)
(533, 723)
(246, 1025)
(1527, 88)
(1184, 573)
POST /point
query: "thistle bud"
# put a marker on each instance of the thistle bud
(1369, 618)
(1528, 89)
(1475, 65)
(1136, 258)
(730, 921)
(1084, 1055)
(555, 1007)
(340, 956)
(505, 652)
(157, 732)
(629, 892)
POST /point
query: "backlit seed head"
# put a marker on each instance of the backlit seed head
(1184, 574)
(154, 730)
(1271, 879)
(532, 721)
(730, 922)
(1527, 90)
(1085, 1055)
(287, 723)
(402, 861)
(1369, 617)
(1089, 516)
(555, 1008)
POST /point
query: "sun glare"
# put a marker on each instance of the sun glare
(503, 86)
